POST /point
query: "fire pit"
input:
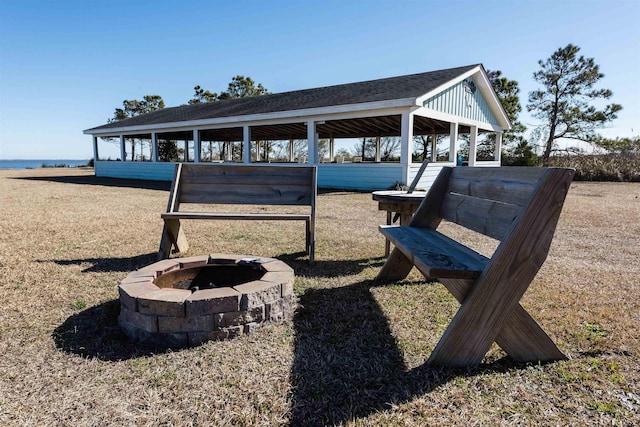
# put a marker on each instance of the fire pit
(184, 302)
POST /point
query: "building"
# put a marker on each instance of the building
(429, 114)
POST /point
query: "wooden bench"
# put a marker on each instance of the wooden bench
(223, 184)
(519, 207)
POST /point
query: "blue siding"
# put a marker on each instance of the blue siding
(360, 176)
(459, 101)
(160, 171)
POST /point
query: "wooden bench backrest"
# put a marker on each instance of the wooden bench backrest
(486, 200)
(243, 184)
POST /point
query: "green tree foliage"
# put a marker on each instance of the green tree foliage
(134, 108)
(564, 102)
(168, 151)
(202, 95)
(239, 87)
(507, 91)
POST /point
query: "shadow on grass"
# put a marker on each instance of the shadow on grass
(347, 364)
(328, 268)
(94, 333)
(107, 265)
(107, 182)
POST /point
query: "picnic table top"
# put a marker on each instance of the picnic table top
(399, 196)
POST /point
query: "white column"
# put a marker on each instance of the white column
(95, 149)
(123, 149)
(331, 149)
(453, 142)
(228, 151)
(246, 144)
(312, 142)
(154, 147)
(406, 145)
(196, 146)
(378, 154)
(434, 147)
(292, 151)
(473, 145)
(498, 153)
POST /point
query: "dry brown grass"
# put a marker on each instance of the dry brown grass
(354, 353)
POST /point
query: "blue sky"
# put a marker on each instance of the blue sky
(66, 65)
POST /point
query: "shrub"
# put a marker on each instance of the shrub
(601, 167)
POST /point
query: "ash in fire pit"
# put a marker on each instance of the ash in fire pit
(186, 301)
(209, 277)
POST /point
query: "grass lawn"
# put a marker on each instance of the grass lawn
(354, 352)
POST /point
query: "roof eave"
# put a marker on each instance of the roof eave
(299, 114)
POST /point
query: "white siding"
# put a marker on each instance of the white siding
(459, 102)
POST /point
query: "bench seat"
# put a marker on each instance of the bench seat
(434, 254)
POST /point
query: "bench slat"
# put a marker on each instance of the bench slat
(500, 190)
(490, 218)
(233, 216)
(436, 255)
(232, 174)
(529, 175)
(264, 193)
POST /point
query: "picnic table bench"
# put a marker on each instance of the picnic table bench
(223, 184)
(520, 207)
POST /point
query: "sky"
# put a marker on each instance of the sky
(66, 65)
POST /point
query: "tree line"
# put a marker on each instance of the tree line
(566, 105)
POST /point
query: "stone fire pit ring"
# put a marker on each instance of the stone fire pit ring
(185, 302)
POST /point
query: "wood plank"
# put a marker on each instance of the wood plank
(396, 268)
(513, 192)
(521, 336)
(520, 174)
(237, 216)
(435, 254)
(493, 219)
(230, 174)
(264, 193)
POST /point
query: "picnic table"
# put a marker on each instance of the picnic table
(398, 203)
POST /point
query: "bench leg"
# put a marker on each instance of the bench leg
(396, 268)
(520, 337)
(172, 235)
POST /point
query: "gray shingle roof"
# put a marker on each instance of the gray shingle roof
(410, 86)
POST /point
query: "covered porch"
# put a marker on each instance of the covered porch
(457, 123)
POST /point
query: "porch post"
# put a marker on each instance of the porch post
(406, 145)
(498, 153)
(312, 142)
(331, 149)
(123, 149)
(378, 156)
(196, 146)
(453, 142)
(154, 147)
(246, 144)
(292, 151)
(473, 145)
(228, 151)
(95, 149)
(434, 147)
